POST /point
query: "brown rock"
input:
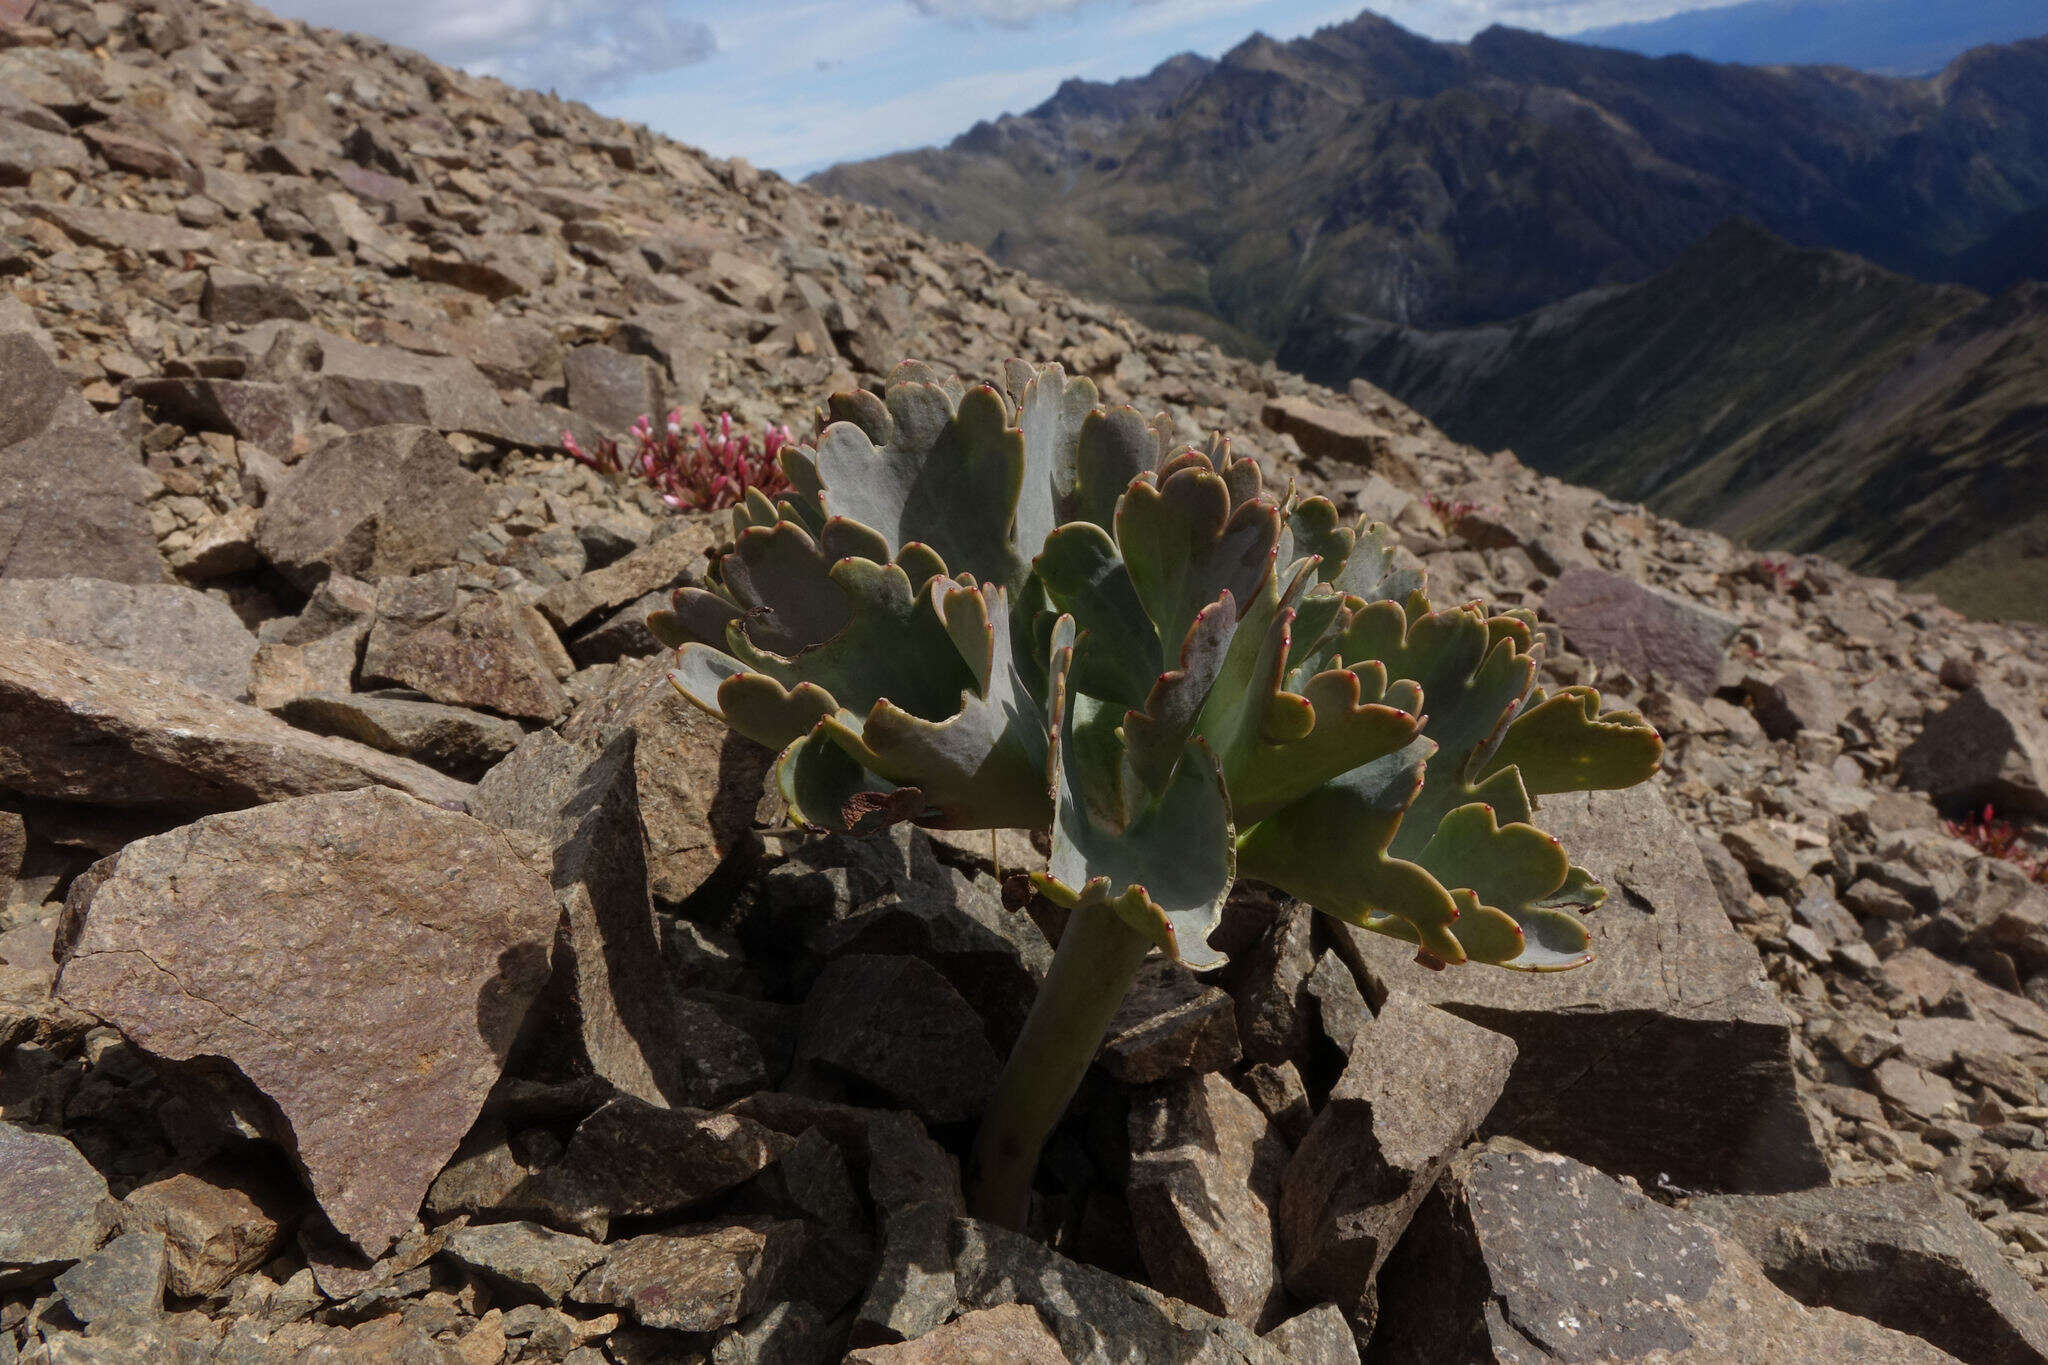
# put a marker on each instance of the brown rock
(317, 947)
(450, 739)
(282, 673)
(1906, 1254)
(218, 1222)
(1272, 999)
(489, 652)
(1988, 746)
(613, 389)
(1647, 631)
(895, 1024)
(58, 1211)
(1320, 1336)
(1420, 1082)
(1205, 1176)
(701, 788)
(1169, 1025)
(1009, 1334)
(71, 488)
(612, 1005)
(157, 626)
(632, 1159)
(273, 416)
(525, 1258)
(239, 299)
(1333, 434)
(1522, 1255)
(1668, 1055)
(380, 503)
(1801, 699)
(145, 234)
(675, 558)
(1099, 1318)
(75, 728)
(695, 1279)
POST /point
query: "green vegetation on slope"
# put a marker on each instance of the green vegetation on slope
(1798, 399)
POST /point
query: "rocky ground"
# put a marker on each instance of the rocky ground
(393, 969)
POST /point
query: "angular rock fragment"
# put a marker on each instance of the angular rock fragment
(1320, 1336)
(611, 1008)
(76, 728)
(1799, 700)
(632, 1159)
(1420, 1082)
(915, 1186)
(1171, 1024)
(1098, 1318)
(1668, 1056)
(317, 947)
(524, 1259)
(124, 1277)
(701, 789)
(1647, 631)
(380, 503)
(1988, 746)
(896, 1025)
(217, 1222)
(1524, 1255)
(488, 652)
(696, 1279)
(1204, 1181)
(663, 564)
(71, 487)
(156, 626)
(1333, 434)
(1272, 1014)
(450, 739)
(1008, 1334)
(1907, 1255)
(613, 389)
(58, 1211)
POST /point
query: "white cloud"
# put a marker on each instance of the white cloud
(577, 46)
(1004, 13)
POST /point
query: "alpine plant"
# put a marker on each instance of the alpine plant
(995, 606)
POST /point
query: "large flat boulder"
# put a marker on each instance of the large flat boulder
(1529, 1256)
(71, 488)
(1669, 1055)
(74, 727)
(362, 959)
(57, 1206)
(1654, 634)
(159, 627)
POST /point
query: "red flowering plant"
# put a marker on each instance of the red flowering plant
(1996, 838)
(701, 473)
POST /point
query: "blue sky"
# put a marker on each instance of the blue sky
(795, 85)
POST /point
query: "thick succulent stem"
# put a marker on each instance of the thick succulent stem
(1092, 971)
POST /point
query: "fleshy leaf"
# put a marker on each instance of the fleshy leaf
(826, 789)
(754, 704)
(1506, 877)
(1564, 744)
(1167, 871)
(948, 477)
(1052, 411)
(893, 645)
(984, 766)
(1159, 733)
(1116, 446)
(1184, 547)
(1086, 579)
(1330, 849)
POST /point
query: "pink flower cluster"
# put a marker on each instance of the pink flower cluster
(1996, 838)
(701, 473)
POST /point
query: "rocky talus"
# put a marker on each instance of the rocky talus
(393, 968)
